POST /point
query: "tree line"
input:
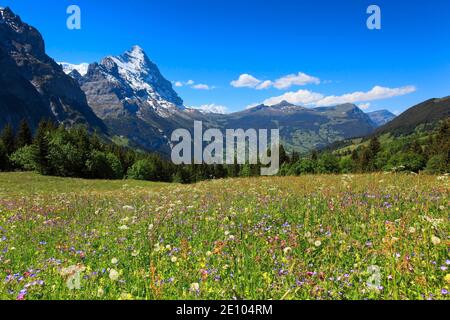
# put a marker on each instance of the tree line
(75, 152)
(422, 151)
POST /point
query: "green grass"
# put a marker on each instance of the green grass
(26, 184)
(311, 237)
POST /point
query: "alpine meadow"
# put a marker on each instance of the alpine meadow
(310, 237)
(228, 152)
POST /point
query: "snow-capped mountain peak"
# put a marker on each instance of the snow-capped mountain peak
(136, 53)
(134, 67)
(134, 70)
(82, 68)
(129, 84)
(211, 108)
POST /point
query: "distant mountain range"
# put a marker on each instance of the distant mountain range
(78, 69)
(381, 117)
(302, 129)
(127, 99)
(137, 103)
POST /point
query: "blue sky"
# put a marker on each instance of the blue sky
(213, 42)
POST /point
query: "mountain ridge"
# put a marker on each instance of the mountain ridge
(381, 117)
(38, 78)
(425, 113)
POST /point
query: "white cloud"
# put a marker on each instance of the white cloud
(264, 85)
(212, 108)
(364, 106)
(376, 93)
(191, 84)
(300, 79)
(246, 81)
(310, 98)
(302, 97)
(201, 86)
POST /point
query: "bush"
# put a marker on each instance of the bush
(285, 170)
(180, 176)
(302, 166)
(143, 170)
(115, 165)
(24, 158)
(328, 163)
(66, 159)
(438, 164)
(347, 165)
(102, 165)
(407, 162)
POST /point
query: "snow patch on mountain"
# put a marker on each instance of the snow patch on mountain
(82, 68)
(212, 108)
(136, 78)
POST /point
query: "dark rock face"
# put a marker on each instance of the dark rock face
(19, 99)
(75, 75)
(40, 88)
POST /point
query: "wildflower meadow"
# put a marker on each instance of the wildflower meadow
(374, 236)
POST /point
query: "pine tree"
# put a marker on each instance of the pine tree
(355, 155)
(295, 157)
(416, 148)
(24, 136)
(314, 155)
(4, 160)
(374, 146)
(41, 144)
(366, 160)
(284, 158)
(7, 138)
(443, 138)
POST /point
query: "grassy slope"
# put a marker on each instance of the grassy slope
(27, 184)
(426, 113)
(385, 139)
(292, 238)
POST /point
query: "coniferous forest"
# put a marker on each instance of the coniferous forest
(76, 152)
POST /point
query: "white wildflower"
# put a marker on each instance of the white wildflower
(113, 275)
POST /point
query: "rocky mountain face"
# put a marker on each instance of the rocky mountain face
(133, 79)
(33, 86)
(134, 100)
(381, 117)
